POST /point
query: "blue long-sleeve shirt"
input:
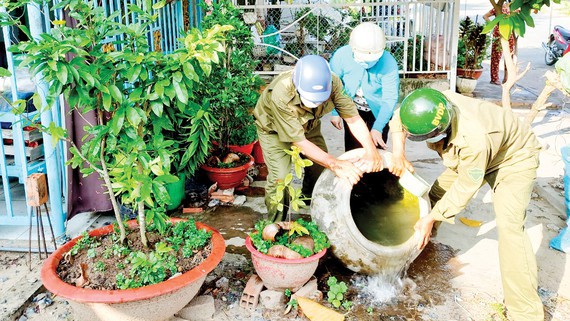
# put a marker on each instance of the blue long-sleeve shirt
(380, 84)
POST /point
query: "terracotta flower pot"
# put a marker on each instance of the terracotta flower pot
(280, 274)
(154, 302)
(227, 177)
(469, 73)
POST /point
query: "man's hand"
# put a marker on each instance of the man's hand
(336, 121)
(399, 164)
(377, 139)
(423, 229)
(370, 162)
(347, 170)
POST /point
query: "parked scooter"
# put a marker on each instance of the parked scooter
(557, 45)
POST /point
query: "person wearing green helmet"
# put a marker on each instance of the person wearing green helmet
(479, 143)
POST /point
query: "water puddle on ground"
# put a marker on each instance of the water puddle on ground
(426, 284)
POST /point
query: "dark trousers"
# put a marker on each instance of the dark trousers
(350, 142)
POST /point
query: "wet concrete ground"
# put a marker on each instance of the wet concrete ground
(426, 284)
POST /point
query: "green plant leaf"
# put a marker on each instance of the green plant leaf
(116, 93)
(5, 72)
(181, 91)
(133, 116)
(336, 303)
(61, 73)
(505, 28)
(528, 19)
(491, 24)
(106, 101)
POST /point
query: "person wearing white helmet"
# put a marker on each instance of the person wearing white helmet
(370, 77)
(289, 112)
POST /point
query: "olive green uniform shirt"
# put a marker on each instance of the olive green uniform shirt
(279, 109)
(484, 138)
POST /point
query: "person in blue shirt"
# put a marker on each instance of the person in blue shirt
(370, 78)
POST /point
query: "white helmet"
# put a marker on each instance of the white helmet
(367, 41)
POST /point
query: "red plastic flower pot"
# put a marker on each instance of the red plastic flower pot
(244, 149)
(279, 274)
(227, 177)
(154, 302)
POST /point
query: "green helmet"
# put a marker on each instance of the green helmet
(425, 113)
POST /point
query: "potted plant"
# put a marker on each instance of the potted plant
(231, 91)
(471, 49)
(131, 90)
(286, 254)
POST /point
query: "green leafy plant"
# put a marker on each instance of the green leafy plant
(151, 265)
(336, 293)
(294, 235)
(414, 56)
(232, 88)
(138, 96)
(131, 89)
(472, 46)
(500, 312)
(293, 303)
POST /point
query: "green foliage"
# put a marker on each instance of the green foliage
(99, 267)
(83, 243)
(500, 312)
(370, 310)
(142, 93)
(293, 303)
(188, 238)
(286, 195)
(336, 293)
(472, 46)
(414, 61)
(519, 18)
(288, 293)
(232, 88)
(156, 266)
(320, 238)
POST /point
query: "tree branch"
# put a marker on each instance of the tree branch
(552, 83)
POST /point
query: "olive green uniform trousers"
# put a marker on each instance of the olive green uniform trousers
(512, 188)
(279, 165)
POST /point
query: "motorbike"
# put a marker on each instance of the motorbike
(557, 45)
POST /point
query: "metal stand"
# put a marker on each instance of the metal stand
(36, 190)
